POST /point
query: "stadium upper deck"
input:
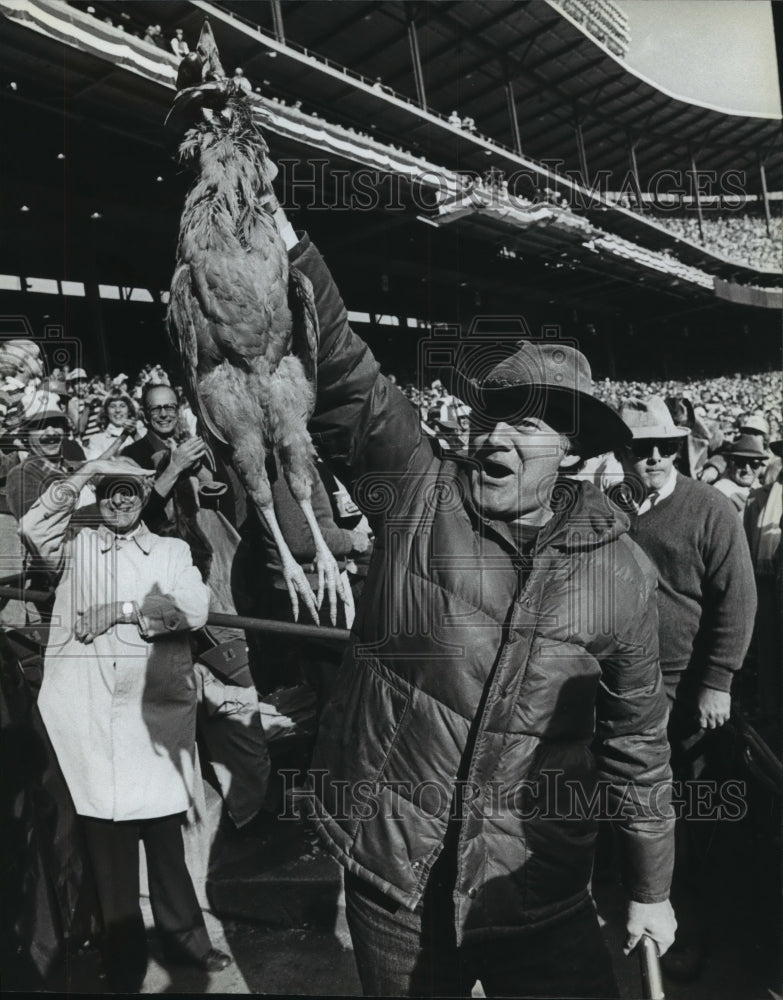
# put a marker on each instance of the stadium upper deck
(371, 87)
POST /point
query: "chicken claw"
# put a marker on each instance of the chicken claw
(299, 587)
(332, 583)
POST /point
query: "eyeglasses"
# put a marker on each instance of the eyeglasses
(666, 447)
(159, 411)
(753, 463)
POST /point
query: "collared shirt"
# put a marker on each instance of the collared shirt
(655, 496)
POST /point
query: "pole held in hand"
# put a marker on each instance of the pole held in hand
(650, 968)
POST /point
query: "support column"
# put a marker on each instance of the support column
(635, 174)
(418, 75)
(277, 20)
(580, 148)
(765, 196)
(513, 117)
(697, 194)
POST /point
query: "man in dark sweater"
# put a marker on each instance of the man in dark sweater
(706, 605)
(706, 594)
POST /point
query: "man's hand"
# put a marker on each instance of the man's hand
(656, 920)
(187, 455)
(96, 620)
(713, 707)
(360, 542)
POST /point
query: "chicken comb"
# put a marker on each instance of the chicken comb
(208, 50)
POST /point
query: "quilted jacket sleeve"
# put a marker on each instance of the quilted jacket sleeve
(632, 746)
(362, 424)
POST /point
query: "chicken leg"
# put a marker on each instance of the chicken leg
(329, 577)
(295, 577)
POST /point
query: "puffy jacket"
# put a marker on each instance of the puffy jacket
(511, 686)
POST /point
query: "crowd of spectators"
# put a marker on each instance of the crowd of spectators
(727, 401)
(99, 415)
(740, 236)
(53, 423)
(604, 20)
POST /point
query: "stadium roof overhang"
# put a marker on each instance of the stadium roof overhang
(107, 118)
(469, 52)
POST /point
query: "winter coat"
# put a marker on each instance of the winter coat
(474, 674)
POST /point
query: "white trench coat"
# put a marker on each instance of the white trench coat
(121, 711)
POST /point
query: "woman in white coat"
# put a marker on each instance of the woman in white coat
(119, 702)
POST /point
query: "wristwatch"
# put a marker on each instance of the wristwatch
(128, 611)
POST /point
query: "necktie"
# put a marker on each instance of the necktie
(648, 503)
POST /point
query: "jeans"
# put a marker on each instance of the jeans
(409, 954)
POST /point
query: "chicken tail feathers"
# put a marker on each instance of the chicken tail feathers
(304, 331)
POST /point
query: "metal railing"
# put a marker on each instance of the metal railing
(13, 590)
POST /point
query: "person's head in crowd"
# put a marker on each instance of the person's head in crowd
(121, 496)
(22, 359)
(42, 433)
(77, 382)
(754, 423)
(530, 414)
(10, 410)
(161, 409)
(656, 442)
(117, 409)
(745, 459)
(59, 388)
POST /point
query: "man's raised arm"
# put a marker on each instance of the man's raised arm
(362, 423)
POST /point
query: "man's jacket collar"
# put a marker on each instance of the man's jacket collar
(142, 536)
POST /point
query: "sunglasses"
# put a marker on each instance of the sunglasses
(666, 447)
(159, 411)
(753, 463)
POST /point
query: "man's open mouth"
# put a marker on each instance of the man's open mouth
(495, 470)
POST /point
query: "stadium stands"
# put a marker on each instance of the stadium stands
(605, 20)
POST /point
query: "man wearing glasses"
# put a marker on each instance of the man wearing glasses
(161, 411)
(745, 460)
(706, 608)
